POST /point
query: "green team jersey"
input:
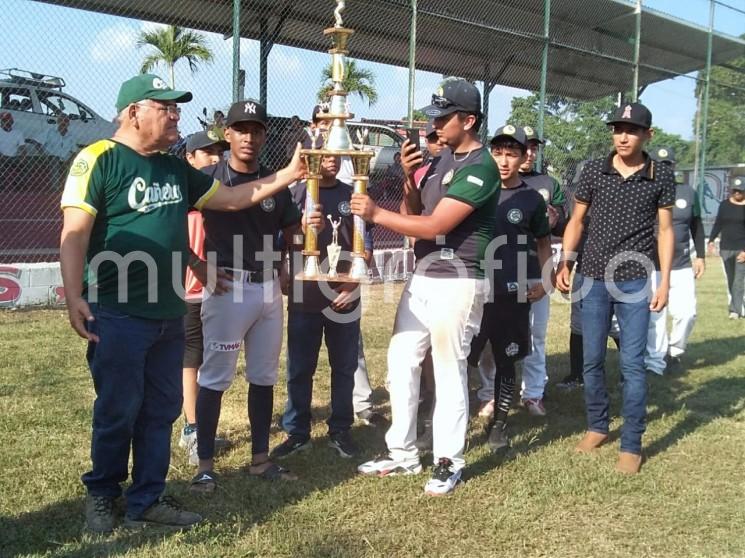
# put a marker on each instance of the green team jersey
(138, 247)
(474, 180)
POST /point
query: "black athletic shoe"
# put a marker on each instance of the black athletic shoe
(368, 417)
(343, 444)
(571, 382)
(99, 514)
(498, 439)
(424, 441)
(292, 444)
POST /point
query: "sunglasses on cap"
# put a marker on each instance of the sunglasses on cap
(441, 102)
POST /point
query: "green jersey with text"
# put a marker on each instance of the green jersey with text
(139, 243)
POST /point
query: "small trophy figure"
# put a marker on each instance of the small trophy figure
(333, 249)
(337, 13)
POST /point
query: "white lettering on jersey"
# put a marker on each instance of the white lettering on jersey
(144, 198)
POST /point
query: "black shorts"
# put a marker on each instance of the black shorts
(193, 331)
(506, 324)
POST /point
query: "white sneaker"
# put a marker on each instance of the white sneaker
(384, 465)
(444, 478)
(734, 316)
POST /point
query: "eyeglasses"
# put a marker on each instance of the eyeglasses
(441, 102)
(172, 110)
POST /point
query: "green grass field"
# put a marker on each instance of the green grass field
(542, 500)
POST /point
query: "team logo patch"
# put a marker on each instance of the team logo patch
(512, 349)
(662, 153)
(509, 129)
(626, 112)
(440, 92)
(249, 108)
(447, 179)
(79, 168)
(545, 194)
(268, 204)
(159, 84)
(529, 131)
(514, 216)
(738, 182)
(681, 203)
(344, 208)
(212, 135)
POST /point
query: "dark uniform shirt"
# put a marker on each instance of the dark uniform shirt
(686, 225)
(470, 178)
(265, 219)
(624, 212)
(520, 220)
(335, 201)
(550, 189)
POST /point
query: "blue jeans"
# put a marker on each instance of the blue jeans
(136, 369)
(633, 320)
(304, 333)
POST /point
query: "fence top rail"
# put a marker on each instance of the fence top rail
(596, 31)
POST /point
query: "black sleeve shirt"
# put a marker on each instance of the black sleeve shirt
(620, 237)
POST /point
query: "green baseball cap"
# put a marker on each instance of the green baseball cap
(148, 86)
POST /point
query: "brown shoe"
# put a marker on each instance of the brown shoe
(591, 442)
(628, 463)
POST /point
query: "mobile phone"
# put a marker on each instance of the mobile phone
(412, 134)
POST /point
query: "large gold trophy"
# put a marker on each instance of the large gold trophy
(337, 143)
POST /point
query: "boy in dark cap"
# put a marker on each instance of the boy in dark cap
(627, 192)
(451, 216)
(521, 233)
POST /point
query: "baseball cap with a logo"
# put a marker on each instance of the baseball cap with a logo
(148, 86)
(635, 114)
(532, 135)
(738, 184)
(200, 140)
(453, 96)
(664, 155)
(246, 111)
(510, 132)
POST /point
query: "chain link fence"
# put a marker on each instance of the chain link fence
(62, 66)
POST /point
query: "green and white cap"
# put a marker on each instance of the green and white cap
(148, 86)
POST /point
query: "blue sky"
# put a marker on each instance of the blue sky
(95, 53)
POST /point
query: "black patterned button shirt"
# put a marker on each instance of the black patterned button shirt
(624, 211)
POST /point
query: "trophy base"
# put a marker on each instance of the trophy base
(337, 279)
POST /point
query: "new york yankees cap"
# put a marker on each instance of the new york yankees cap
(246, 111)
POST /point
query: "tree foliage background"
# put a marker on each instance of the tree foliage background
(576, 131)
(726, 126)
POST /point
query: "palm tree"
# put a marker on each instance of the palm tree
(171, 44)
(356, 80)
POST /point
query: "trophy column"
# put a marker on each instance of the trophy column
(312, 266)
(361, 165)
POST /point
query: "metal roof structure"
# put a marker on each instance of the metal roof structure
(497, 41)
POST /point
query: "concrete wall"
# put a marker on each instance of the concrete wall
(36, 284)
(40, 284)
